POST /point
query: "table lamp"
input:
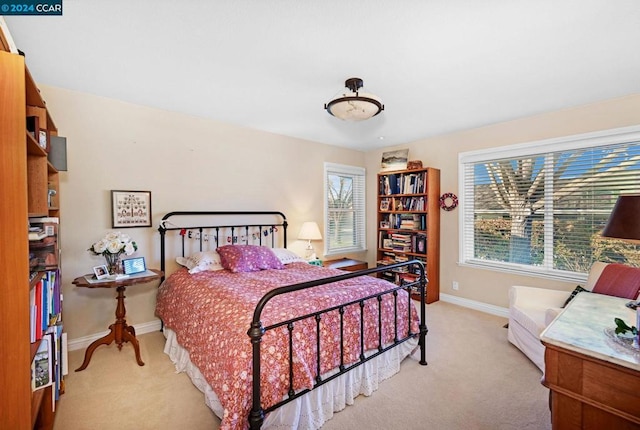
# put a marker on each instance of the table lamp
(309, 231)
(624, 223)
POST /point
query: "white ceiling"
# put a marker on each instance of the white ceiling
(438, 65)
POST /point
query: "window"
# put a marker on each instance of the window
(540, 207)
(344, 209)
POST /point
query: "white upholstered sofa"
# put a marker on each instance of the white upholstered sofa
(532, 309)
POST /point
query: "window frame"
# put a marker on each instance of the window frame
(359, 175)
(540, 148)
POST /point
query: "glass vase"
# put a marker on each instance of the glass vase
(113, 263)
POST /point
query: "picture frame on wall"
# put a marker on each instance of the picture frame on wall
(130, 209)
(394, 160)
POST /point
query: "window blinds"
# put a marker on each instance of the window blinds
(344, 209)
(541, 207)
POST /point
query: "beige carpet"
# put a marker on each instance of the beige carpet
(475, 380)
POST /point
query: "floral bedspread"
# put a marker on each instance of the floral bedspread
(211, 312)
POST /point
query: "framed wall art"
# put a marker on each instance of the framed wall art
(130, 208)
(394, 160)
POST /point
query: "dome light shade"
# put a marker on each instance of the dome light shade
(353, 105)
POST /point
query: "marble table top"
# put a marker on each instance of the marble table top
(580, 327)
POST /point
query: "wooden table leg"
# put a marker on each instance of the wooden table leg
(106, 340)
(119, 332)
(130, 336)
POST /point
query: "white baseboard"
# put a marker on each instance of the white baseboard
(478, 306)
(85, 341)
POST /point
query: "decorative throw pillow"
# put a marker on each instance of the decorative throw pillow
(248, 258)
(577, 290)
(619, 280)
(285, 256)
(201, 261)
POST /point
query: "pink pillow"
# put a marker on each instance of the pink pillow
(248, 258)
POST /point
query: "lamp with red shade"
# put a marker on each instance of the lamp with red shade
(624, 223)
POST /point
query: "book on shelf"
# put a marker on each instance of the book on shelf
(41, 366)
(36, 232)
(44, 219)
(65, 355)
(45, 304)
(54, 333)
(402, 183)
(409, 203)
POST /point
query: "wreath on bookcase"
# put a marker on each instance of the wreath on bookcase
(448, 206)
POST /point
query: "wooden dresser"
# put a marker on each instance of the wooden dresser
(594, 382)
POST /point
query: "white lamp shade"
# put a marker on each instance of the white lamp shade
(310, 231)
(355, 106)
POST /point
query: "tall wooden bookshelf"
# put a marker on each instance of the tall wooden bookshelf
(26, 177)
(409, 224)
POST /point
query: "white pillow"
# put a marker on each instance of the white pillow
(285, 256)
(201, 261)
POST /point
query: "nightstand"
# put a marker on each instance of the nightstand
(120, 331)
(346, 264)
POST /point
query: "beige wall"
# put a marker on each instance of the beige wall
(187, 163)
(483, 285)
(190, 163)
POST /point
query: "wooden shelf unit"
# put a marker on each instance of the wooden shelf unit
(409, 223)
(25, 179)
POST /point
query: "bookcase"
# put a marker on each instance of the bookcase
(409, 225)
(27, 180)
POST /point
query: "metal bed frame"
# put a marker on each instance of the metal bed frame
(257, 330)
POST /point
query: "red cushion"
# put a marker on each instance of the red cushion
(619, 280)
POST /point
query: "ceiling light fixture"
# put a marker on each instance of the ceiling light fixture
(354, 105)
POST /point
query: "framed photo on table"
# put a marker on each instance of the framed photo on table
(130, 208)
(101, 272)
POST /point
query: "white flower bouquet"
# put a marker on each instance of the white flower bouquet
(112, 246)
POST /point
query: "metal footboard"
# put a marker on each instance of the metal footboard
(257, 331)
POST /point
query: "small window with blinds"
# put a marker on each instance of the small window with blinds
(540, 207)
(344, 209)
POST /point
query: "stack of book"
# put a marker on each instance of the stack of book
(36, 233)
(43, 243)
(401, 242)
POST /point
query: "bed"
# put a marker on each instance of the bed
(271, 340)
